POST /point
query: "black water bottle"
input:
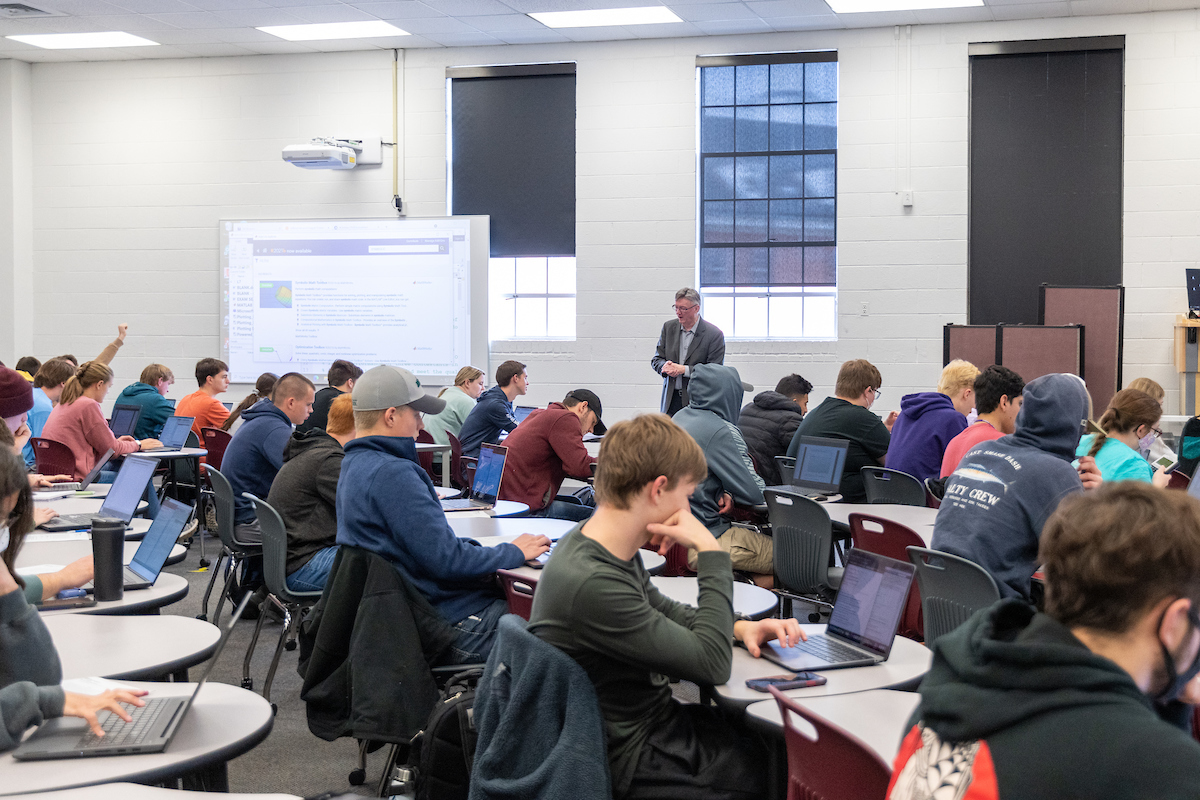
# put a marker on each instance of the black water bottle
(108, 557)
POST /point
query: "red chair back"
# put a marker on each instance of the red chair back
(676, 565)
(834, 766)
(456, 462)
(887, 538)
(1179, 481)
(426, 459)
(518, 590)
(52, 458)
(215, 440)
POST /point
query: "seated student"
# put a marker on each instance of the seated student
(150, 392)
(493, 412)
(305, 495)
(255, 453)
(28, 367)
(387, 504)
(1087, 699)
(769, 422)
(1150, 387)
(48, 384)
(1003, 491)
(929, 420)
(595, 602)
(341, 378)
(847, 416)
(1158, 449)
(715, 395)
(460, 399)
(997, 401)
(212, 376)
(16, 398)
(262, 390)
(1130, 425)
(546, 448)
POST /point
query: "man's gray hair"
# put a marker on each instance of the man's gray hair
(688, 293)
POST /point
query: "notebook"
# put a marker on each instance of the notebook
(151, 731)
(124, 420)
(819, 466)
(486, 487)
(151, 555)
(865, 618)
(72, 486)
(174, 434)
(122, 499)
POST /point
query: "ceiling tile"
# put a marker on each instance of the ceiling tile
(235, 35)
(719, 27)
(216, 49)
(878, 19)
(195, 20)
(469, 8)
(153, 6)
(1032, 11)
(406, 9)
(705, 12)
(530, 6)
(789, 8)
(79, 7)
(935, 16)
(545, 36)
(259, 17)
(330, 13)
(811, 23)
(506, 22)
(437, 25)
(472, 39)
(181, 36)
(222, 5)
(1081, 8)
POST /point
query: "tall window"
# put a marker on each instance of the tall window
(768, 189)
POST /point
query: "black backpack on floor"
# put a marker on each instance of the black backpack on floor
(444, 751)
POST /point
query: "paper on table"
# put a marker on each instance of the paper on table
(91, 685)
(39, 569)
(69, 536)
(53, 494)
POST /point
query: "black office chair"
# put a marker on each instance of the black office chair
(803, 547)
(884, 485)
(952, 589)
(787, 468)
(236, 552)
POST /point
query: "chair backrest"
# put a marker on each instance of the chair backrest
(676, 564)
(274, 550)
(1179, 481)
(836, 765)
(223, 500)
(952, 589)
(52, 458)
(803, 541)
(518, 591)
(891, 539)
(426, 459)
(786, 466)
(884, 485)
(456, 467)
(215, 442)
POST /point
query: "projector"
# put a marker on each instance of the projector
(321, 154)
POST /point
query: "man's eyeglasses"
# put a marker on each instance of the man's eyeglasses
(877, 392)
(684, 309)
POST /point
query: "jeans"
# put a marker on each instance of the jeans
(475, 635)
(559, 509)
(150, 495)
(313, 575)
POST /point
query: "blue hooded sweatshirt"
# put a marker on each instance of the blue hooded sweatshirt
(387, 504)
(492, 413)
(1004, 490)
(155, 409)
(927, 423)
(255, 455)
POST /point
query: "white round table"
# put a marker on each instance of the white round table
(136, 791)
(169, 588)
(753, 601)
(474, 527)
(79, 505)
(878, 717)
(68, 550)
(918, 518)
(141, 647)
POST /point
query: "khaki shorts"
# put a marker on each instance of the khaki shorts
(749, 551)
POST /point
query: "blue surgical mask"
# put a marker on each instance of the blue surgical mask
(1146, 441)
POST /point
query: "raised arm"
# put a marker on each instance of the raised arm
(110, 351)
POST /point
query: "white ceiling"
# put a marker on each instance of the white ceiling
(195, 28)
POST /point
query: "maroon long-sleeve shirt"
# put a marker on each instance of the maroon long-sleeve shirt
(543, 450)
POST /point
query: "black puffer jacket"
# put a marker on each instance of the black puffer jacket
(767, 425)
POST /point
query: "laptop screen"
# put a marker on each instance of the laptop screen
(164, 532)
(1193, 289)
(175, 431)
(125, 419)
(820, 462)
(489, 472)
(521, 412)
(95, 473)
(127, 489)
(870, 600)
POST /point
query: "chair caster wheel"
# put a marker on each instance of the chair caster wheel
(204, 562)
(248, 683)
(358, 777)
(274, 709)
(289, 646)
(814, 617)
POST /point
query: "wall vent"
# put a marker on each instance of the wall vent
(22, 11)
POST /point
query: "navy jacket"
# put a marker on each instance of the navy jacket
(387, 504)
(492, 413)
(255, 455)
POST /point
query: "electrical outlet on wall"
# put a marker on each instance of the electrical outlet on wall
(906, 199)
(864, 309)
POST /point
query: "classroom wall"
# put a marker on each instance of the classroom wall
(135, 162)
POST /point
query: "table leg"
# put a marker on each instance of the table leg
(213, 778)
(179, 676)
(446, 469)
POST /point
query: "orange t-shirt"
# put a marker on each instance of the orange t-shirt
(208, 411)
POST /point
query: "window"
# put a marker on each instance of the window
(768, 195)
(531, 298)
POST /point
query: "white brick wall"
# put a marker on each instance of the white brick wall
(135, 162)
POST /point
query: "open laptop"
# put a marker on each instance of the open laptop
(151, 731)
(124, 420)
(819, 466)
(865, 618)
(521, 412)
(76, 486)
(151, 555)
(174, 435)
(122, 499)
(486, 487)
(1193, 289)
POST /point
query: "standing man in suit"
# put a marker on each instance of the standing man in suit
(685, 342)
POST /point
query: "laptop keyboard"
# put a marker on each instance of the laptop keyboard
(460, 502)
(829, 649)
(118, 731)
(80, 520)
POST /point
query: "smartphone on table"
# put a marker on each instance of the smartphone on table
(801, 680)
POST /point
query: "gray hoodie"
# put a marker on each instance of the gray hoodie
(715, 394)
(1004, 490)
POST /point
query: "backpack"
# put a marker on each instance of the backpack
(445, 750)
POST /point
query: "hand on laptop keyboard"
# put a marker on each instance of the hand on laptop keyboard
(756, 634)
(86, 706)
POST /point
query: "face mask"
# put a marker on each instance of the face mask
(1147, 440)
(1175, 686)
(4, 538)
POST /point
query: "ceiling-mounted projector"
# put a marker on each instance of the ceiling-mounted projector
(322, 154)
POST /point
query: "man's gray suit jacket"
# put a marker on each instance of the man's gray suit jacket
(708, 347)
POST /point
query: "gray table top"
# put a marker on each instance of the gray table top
(138, 647)
(753, 601)
(65, 551)
(432, 447)
(471, 526)
(224, 722)
(79, 505)
(879, 717)
(183, 452)
(136, 791)
(169, 588)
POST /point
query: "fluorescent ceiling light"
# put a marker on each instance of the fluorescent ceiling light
(334, 30)
(856, 6)
(79, 41)
(651, 15)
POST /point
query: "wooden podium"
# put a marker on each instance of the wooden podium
(1187, 363)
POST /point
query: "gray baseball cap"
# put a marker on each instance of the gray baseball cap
(385, 387)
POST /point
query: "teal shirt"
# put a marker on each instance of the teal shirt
(458, 406)
(1117, 461)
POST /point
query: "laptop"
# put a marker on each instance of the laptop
(124, 420)
(122, 499)
(1193, 289)
(151, 731)
(865, 618)
(521, 412)
(819, 466)
(228, 406)
(486, 487)
(151, 555)
(174, 435)
(77, 486)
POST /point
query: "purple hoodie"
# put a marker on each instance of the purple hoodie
(927, 423)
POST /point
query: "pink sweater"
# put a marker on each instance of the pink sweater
(81, 426)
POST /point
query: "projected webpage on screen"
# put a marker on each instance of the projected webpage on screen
(299, 294)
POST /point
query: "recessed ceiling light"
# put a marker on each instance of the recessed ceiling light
(334, 30)
(80, 41)
(650, 15)
(857, 6)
